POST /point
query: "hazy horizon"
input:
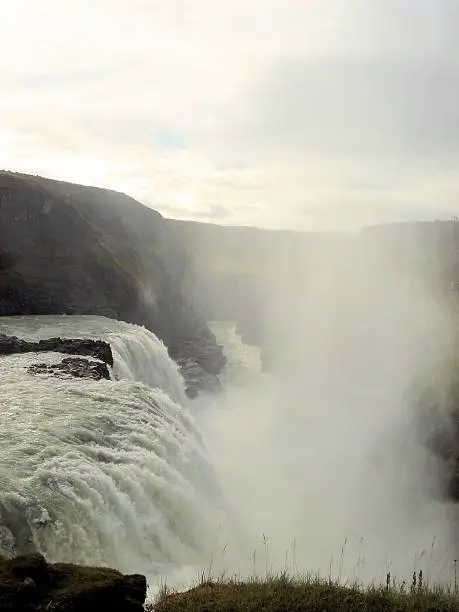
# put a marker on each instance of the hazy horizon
(279, 114)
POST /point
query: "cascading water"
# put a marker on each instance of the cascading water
(104, 472)
(138, 354)
(115, 472)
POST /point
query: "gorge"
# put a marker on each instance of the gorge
(319, 406)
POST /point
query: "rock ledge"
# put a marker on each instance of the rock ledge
(75, 346)
(73, 366)
(30, 584)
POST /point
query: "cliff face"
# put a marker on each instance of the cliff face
(70, 249)
(66, 248)
(267, 281)
(253, 276)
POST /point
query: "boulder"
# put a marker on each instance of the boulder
(30, 584)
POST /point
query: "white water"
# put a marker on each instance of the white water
(296, 476)
(138, 354)
(104, 472)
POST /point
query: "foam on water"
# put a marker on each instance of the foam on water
(104, 472)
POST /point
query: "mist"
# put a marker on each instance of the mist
(325, 456)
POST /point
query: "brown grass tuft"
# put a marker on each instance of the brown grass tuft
(284, 594)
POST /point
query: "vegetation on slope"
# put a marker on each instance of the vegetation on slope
(283, 594)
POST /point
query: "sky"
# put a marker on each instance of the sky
(300, 114)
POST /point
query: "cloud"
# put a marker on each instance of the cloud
(359, 108)
(279, 113)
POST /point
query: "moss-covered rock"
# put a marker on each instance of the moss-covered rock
(29, 584)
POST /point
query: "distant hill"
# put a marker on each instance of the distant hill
(67, 248)
(255, 276)
(72, 249)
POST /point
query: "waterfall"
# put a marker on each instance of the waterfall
(103, 472)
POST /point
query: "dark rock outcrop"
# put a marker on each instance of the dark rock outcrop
(73, 366)
(197, 378)
(201, 353)
(73, 346)
(436, 409)
(71, 249)
(30, 584)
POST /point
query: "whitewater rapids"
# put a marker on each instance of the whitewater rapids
(104, 472)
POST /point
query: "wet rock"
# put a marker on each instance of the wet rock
(197, 379)
(98, 349)
(30, 584)
(437, 428)
(202, 350)
(73, 366)
(200, 359)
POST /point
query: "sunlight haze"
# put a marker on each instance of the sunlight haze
(276, 113)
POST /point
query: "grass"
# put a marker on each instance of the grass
(285, 594)
(289, 591)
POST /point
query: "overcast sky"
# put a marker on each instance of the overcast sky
(305, 114)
